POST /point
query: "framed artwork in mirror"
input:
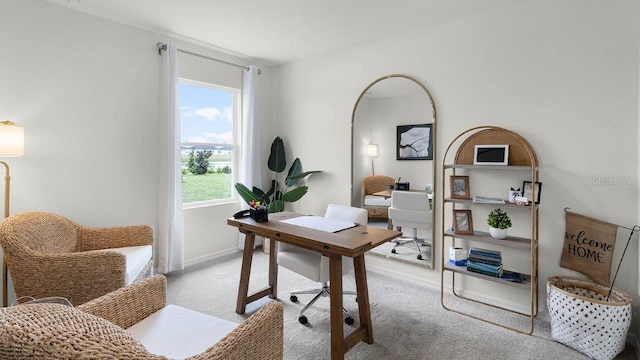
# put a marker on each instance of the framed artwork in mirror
(459, 186)
(414, 142)
(462, 222)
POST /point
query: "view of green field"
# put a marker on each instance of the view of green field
(205, 187)
(209, 186)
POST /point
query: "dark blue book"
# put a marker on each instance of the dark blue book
(488, 273)
(512, 276)
(493, 271)
(486, 252)
(484, 267)
(484, 260)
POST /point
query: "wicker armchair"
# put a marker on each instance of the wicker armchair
(49, 255)
(96, 329)
(377, 206)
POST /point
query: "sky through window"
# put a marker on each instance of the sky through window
(206, 115)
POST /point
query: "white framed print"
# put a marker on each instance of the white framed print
(491, 155)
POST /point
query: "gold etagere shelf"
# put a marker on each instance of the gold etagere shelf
(522, 158)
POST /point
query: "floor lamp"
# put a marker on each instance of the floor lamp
(373, 151)
(11, 145)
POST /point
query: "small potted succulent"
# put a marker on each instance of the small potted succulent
(499, 222)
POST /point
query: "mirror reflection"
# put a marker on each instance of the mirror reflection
(392, 167)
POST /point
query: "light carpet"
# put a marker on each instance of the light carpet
(408, 252)
(408, 320)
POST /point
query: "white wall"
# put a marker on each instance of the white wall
(86, 92)
(562, 74)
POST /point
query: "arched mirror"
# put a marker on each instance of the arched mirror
(393, 144)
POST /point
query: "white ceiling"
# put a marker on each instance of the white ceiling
(280, 31)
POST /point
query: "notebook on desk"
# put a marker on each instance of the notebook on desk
(320, 223)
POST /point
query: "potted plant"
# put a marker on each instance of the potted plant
(279, 193)
(499, 222)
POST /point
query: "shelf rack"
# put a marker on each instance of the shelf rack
(522, 158)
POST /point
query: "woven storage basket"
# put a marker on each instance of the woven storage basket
(583, 319)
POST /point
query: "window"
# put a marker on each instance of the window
(209, 118)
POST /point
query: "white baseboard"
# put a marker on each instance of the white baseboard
(210, 256)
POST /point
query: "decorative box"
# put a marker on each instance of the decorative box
(259, 213)
(457, 256)
(403, 186)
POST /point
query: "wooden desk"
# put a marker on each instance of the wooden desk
(353, 242)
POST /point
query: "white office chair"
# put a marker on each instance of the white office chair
(314, 266)
(410, 209)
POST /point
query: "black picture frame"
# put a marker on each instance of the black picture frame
(414, 142)
(527, 191)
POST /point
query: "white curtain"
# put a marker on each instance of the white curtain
(251, 168)
(171, 221)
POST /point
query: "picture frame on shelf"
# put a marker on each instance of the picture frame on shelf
(527, 191)
(491, 155)
(414, 142)
(460, 188)
(462, 222)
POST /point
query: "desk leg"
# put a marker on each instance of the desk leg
(363, 298)
(247, 257)
(335, 286)
(273, 269)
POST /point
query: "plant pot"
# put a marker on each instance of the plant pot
(498, 233)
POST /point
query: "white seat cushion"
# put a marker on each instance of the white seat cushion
(410, 209)
(312, 264)
(137, 257)
(177, 333)
(408, 216)
(373, 200)
(302, 261)
(410, 200)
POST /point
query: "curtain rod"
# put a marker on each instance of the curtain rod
(162, 46)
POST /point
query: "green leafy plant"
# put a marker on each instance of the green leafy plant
(499, 219)
(279, 193)
(199, 162)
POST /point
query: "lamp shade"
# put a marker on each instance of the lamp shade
(11, 139)
(372, 150)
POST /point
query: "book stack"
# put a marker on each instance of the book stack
(484, 261)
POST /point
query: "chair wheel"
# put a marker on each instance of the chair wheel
(302, 319)
(349, 320)
(393, 251)
(419, 257)
(293, 298)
